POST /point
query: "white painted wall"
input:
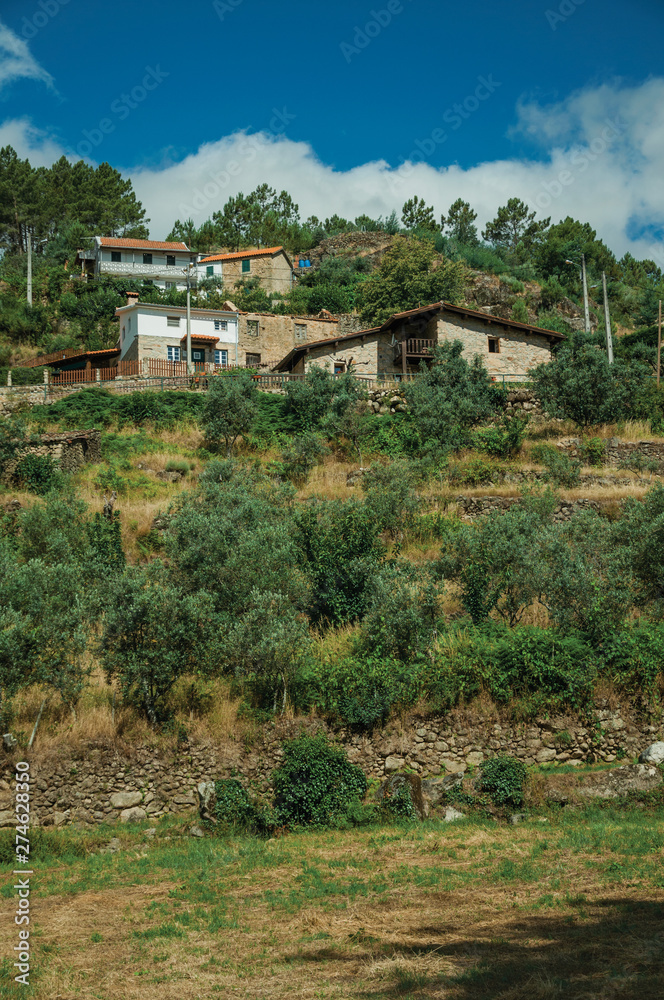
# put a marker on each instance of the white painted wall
(217, 272)
(141, 321)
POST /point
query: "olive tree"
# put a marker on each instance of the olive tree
(229, 408)
(579, 384)
(152, 634)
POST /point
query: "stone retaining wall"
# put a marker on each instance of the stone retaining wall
(383, 401)
(106, 783)
(472, 507)
(617, 451)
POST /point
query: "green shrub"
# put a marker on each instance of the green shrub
(299, 459)
(593, 451)
(22, 376)
(504, 439)
(511, 282)
(636, 462)
(39, 474)
(390, 495)
(235, 810)
(520, 312)
(316, 783)
(340, 542)
(359, 690)
(562, 470)
(400, 803)
(543, 668)
(178, 465)
(474, 472)
(503, 778)
(109, 479)
(105, 535)
(634, 659)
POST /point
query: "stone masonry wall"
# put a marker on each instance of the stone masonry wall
(617, 451)
(471, 507)
(70, 451)
(519, 351)
(102, 782)
(277, 335)
(274, 273)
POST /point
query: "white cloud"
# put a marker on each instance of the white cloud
(599, 159)
(30, 142)
(16, 60)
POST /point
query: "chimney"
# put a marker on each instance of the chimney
(132, 298)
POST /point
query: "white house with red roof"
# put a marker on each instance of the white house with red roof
(154, 333)
(270, 265)
(162, 263)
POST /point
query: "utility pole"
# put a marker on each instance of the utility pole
(659, 342)
(29, 269)
(607, 321)
(586, 310)
(189, 365)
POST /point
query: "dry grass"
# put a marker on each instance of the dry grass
(211, 713)
(328, 480)
(457, 912)
(631, 430)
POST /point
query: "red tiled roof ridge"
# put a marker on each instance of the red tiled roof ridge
(238, 254)
(122, 241)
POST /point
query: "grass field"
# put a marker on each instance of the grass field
(568, 908)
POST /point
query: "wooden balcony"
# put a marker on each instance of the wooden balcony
(412, 351)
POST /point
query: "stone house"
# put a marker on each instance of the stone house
(406, 339)
(162, 263)
(271, 266)
(264, 338)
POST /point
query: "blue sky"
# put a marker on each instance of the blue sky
(167, 91)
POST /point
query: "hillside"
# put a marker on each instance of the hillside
(518, 267)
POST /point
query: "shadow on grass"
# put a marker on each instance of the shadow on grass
(611, 949)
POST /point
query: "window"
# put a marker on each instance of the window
(252, 327)
(169, 284)
(209, 270)
(253, 359)
(300, 331)
(123, 333)
(221, 358)
(198, 355)
(339, 367)
(172, 321)
(170, 260)
(129, 323)
(173, 353)
(116, 256)
(220, 324)
(147, 258)
(246, 266)
(494, 345)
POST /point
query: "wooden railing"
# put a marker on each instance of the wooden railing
(125, 368)
(420, 347)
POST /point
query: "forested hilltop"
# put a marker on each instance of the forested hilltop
(517, 267)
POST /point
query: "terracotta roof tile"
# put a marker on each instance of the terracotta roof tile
(241, 254)
(113, 241)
